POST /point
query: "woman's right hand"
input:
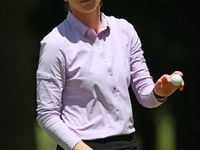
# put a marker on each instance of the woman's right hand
(82, 146)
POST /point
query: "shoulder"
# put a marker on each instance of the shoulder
(52, 41)
(51, 47)
(121, 25)
(54, 36)
(120, 22)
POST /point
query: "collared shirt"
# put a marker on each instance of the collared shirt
(83, 80)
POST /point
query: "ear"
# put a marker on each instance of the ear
(65, 0)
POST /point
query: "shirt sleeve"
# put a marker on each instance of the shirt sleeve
(50, 83)
(141, 80)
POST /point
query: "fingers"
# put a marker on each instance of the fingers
(164, 79)
(164, 86)
(181, 87)
(177, 72)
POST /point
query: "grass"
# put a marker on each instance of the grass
(43, 141)
(165, 131)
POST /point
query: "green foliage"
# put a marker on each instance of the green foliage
(43, 141)
(165, 131)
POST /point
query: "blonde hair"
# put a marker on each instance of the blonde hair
(66, 6)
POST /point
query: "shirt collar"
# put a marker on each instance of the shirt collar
(80, 27)
(105, 24)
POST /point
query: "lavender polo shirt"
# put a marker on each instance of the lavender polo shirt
(83, 80)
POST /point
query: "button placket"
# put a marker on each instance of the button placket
(105, 60)
(99, 47)
(108, 65)
(110, 70)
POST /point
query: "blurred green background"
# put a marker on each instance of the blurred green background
(170, 34)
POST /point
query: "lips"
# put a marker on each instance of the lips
(85, 1)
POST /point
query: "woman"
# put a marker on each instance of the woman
(86, 66)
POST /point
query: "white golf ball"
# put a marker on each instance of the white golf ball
(176, 79)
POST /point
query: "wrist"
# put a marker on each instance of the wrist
(159, 98)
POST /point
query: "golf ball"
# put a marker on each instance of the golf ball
(176, 79)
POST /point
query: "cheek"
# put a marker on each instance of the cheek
(98, 2)
(73, 3)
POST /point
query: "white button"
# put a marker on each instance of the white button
(105, 60)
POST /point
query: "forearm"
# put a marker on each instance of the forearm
(60, 133)
(147, 98)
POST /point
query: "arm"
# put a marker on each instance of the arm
(50, 83)
(148, 94)
(141, 80)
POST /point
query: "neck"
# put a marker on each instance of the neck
(91, 20)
